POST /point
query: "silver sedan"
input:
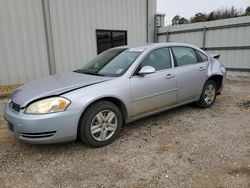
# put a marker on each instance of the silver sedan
(120, 85)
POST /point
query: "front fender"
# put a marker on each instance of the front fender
(117, 88)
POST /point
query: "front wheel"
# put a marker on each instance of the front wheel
(100, 124)
(208, 94)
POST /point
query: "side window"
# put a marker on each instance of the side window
(203, 57)
(184, 56)
(159, 59)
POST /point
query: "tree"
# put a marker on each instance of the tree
(214, 15)
(247, 12)
(211, 17)
(183, 21)
(175, 20)
(199, 17)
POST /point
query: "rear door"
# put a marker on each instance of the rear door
(190, 73)
(154, 91)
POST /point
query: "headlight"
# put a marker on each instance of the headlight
(49, 105)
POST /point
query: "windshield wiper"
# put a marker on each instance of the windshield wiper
(92, 73)
(86, 72)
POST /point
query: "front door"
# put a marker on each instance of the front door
(154, 91)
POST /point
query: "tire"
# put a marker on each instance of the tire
(208, 95)
(100, 124)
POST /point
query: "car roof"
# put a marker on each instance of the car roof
(157, 45)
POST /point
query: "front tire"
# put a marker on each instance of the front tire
(100, 124)
(208, 94)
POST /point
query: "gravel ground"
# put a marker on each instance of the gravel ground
(185, 147)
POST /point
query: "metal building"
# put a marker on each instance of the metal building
(228, 37)
(42, 37)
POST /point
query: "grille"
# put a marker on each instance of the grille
(38, 135)
(15, 106)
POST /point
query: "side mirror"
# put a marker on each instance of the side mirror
(146, 70)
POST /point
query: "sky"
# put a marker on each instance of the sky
(188, 8)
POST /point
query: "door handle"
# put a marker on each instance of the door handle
(169, 76)
(202, 69)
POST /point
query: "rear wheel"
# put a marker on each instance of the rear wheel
(208, 94)
(100, 124)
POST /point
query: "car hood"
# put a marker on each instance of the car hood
(53, 85)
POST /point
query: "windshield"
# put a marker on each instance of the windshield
(114, 62)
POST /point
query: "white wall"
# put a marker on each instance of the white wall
(23, 52)
(74, 25)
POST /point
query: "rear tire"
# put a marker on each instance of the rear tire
(208, 95)
(100, 124)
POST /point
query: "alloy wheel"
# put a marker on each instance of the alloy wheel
(210, 93)
(104, 125)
